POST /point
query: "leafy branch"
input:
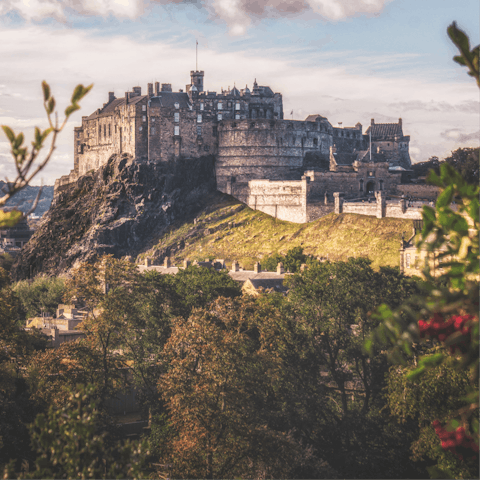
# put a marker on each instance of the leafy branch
(467, 58)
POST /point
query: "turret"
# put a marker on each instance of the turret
(197, 79)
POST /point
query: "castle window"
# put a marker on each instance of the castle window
(152, 131)
(407, 260)
(140, 129)
(206, 148)
(144, 108)
(361, 185)
(115, 129)
(202, 106)
(199, 130)
(219, 117)
(144, 118)
(199, 118)
(104, 131)
(99, 131)
(381, 184)
(229, 104)
(177, 105)
(214, 131)
(176, 117)
(109, 130)
(220, 106)
(176, 130)
(237, 116)
(315, 141)
(237, 106)
(131, 129)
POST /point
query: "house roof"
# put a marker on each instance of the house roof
(168, 99)
(345, 158)
(243, 275)
(268, 283)
(382, 130)
(316, 118)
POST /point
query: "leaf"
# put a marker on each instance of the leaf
(46, 91)
(9, 219)
(460, 60)
(51, 105)
(445, 198)
(18, 141)
(70, 109)
(9, 133)
(77, 94)
(459, 38)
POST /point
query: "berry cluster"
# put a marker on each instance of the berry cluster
(457, 441)
(441, 329)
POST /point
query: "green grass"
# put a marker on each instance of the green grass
(256, 235)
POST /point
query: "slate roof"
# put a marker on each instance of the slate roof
(382, 130)
(168, 99)
(268, 283)
(364, 156)
(345, 158)
(243, 275)
(110, 107)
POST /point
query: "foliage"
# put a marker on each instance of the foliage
(69, 444)
(466, 162)
(40, 296)
(447, 312)
(292, 261)
(6, 261)
(25, 161)
(219, 391)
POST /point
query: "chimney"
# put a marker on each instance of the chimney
(137, 91)
(150, 90)
(127, 97)
(186, 263)
(157, 88)
(235, 266)
(400, 122)
(257, 268)
(166, 262)
(111, 97)
(372, 121)
(280, 269)
(166, 87)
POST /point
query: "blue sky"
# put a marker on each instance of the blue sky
(349, 60)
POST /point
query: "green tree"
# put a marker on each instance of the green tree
(219, 389)
(466, 162)
(40, 296)
(69, 444)
(447, 311)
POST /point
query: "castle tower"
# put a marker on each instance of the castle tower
(197, 79)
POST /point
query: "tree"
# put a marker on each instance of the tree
(69, 444)
(40, 296)
(466, 162)
(219, 390)
(446, 314)
(25, 161)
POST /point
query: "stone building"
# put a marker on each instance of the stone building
(251, 141)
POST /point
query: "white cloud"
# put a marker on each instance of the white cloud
(238, 14)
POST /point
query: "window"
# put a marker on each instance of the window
(407, 260)
(202, 106)
(361, 185)
(152, 131)
(176, 130)
(206, 148)
(131, 129)
(144, 108)
(237, 116)
(144, 118)
(199, 130)
(177, 105)
(115, 129)
(176, 117)
(219, 116)
(220, 106)
(315, 141)
(109, 130)
(229, 104)
(152, 119)
(104, 131)
(199, 118)
(140, 129)
(214, 131)
(99, 131)
(237, 106)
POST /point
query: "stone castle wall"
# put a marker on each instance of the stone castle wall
(427, 192)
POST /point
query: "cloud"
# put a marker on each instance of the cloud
(458, 136)
(237, 14)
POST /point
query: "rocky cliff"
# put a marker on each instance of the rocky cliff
(120, 209)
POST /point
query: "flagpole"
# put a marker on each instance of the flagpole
(196, 55)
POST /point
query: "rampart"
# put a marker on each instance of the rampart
(427, 192)
(267, 149)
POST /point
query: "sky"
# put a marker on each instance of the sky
(348, 60)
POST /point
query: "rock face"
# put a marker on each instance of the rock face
(119, 209)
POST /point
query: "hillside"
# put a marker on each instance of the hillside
(229, 230)
(23, 200)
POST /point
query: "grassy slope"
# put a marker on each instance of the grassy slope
(238, 233)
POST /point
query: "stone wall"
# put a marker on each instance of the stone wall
(285, 200)
(316, 210)
(267, 149)
(427, 192)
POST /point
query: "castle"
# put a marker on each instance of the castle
(283, 167)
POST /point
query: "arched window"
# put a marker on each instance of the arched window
(361, 185)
